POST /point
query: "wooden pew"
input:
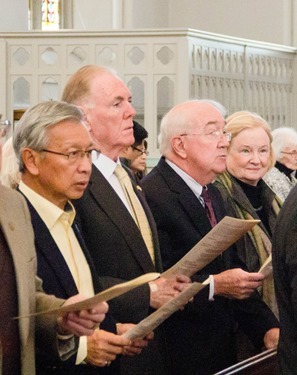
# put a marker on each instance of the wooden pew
(261, 364)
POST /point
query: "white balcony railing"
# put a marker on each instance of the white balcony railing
(161, 67)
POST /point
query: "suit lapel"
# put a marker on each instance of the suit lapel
(46, 245)
(189, 202)
(140, 195)
(111, 204)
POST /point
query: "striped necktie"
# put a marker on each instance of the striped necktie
(208, 207)
(137, 210)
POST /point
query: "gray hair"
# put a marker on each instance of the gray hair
(177, 121)
(283, 137)
(32, 129)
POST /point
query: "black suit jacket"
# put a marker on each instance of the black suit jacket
(116, 245)
(120, 254)
(200, 338)
(284, 260)
(58, 280)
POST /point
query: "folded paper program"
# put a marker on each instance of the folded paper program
(219, 239)
(148, 324)
(106, 295)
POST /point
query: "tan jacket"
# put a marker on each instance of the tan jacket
(16, 226)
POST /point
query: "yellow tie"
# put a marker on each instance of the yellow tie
(137, 211)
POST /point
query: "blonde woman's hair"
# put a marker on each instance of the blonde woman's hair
(239, 121)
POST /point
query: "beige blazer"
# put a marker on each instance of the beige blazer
(16, 226)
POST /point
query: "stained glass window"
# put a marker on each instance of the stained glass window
(50, 14)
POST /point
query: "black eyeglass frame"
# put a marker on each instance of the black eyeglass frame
(73, 155)
(141, 151)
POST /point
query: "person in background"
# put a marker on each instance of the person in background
(281, 178)
(137, 151)
(21, 294)
(115, 219)
(138, 165)
(246, 195)
(10, 174)
(53, 148)
(201, 339)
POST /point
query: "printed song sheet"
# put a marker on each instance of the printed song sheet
(148, 324)
(223, 235)
(106, 295)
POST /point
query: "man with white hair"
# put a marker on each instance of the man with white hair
(116, 221)
(185, 206)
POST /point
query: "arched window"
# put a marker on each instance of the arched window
(50, 14)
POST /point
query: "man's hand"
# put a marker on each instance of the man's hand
(84, 322)
(163, 290)
(271, 338)
(136, 346)
(236, 283)
(103, 347)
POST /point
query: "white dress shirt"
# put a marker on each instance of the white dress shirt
(107, 167)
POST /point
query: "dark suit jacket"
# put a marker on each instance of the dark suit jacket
(284, 260)
(58, 280)
(120, 254)
(200, 338)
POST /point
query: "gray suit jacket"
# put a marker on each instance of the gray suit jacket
(16, 226)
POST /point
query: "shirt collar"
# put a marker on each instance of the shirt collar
(192, 184)
(105, 165)
(49, 212)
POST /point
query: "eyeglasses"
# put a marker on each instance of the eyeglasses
(141, 152)
(293, 153)
(73, 156)
(214, 134)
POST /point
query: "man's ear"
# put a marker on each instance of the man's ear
(31, 160)
(87, 119)
(178, 146)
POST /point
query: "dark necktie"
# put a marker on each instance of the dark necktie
(208, 207)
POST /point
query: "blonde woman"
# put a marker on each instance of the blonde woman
(249, 157)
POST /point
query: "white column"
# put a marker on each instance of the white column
(117, 14)
(14, 15)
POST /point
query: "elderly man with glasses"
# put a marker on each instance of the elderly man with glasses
(54, 148)
(185, 205)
